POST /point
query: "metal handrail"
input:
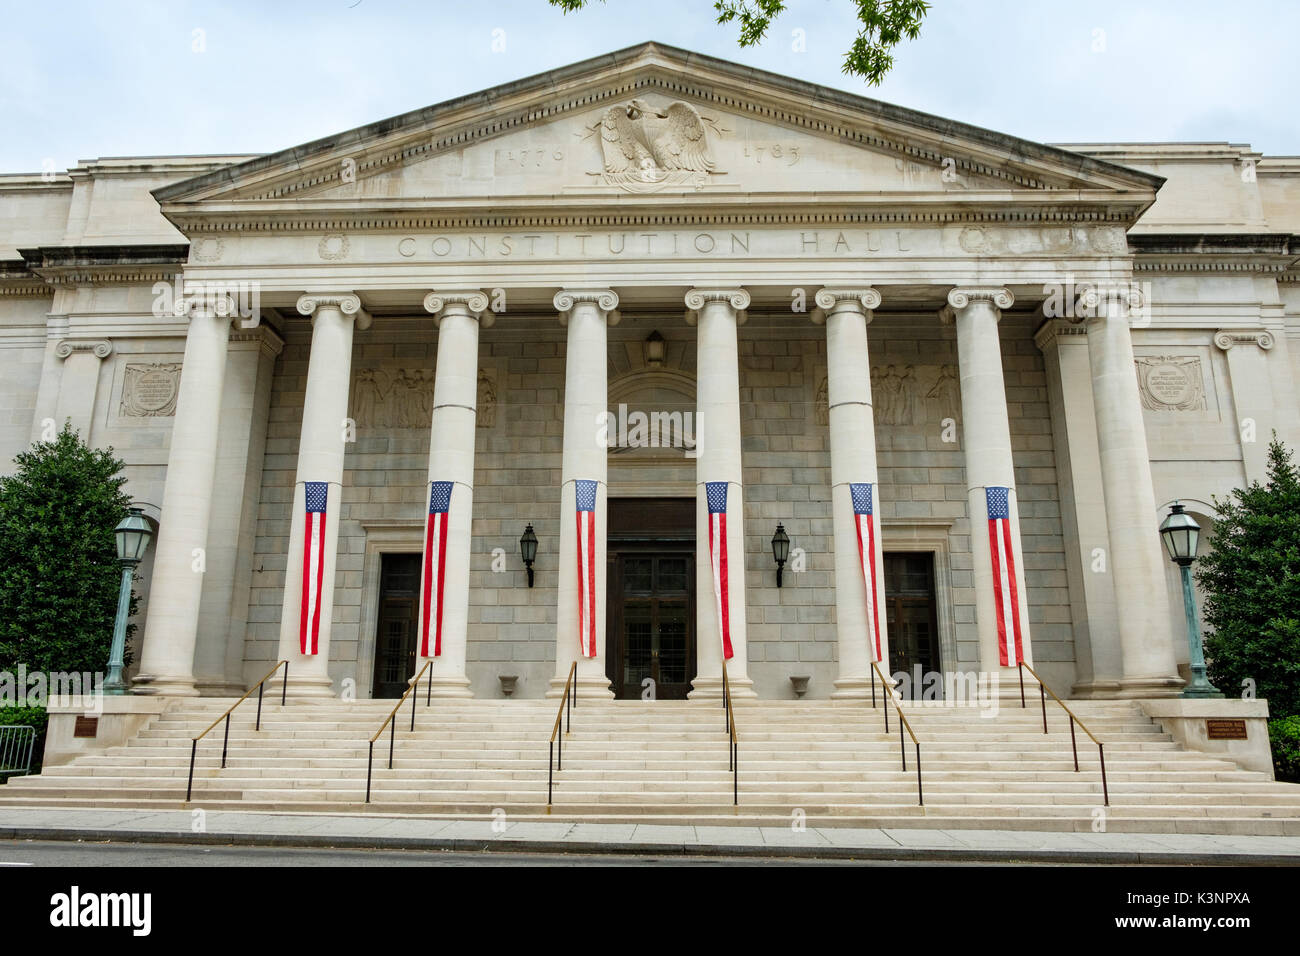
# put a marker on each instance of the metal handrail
(903, 724)
(225, 744)
(1043, 691)
(733, 745)
(392, 724)
(567, 703)
(16, 749)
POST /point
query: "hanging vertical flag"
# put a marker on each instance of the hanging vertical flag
(434, 572)
(585, 497)
(316, 496)
(716, 492)
(1005, 597)
(865, 523)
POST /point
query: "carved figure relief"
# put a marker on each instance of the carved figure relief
(644, 148)
(149, 391)
(914, 395)
(1171, 383)
(403, 398)
(823, 402)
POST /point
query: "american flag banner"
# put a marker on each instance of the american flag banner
(434, 572)
(585, 497)
(316, 496)
(716, 492)
(864, 521)
(1005, 597)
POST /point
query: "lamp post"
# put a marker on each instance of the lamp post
(780, 550)
(1180, 533)
(133, 535)
(528, 550)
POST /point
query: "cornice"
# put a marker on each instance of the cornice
(105, 264)
(1261, 253)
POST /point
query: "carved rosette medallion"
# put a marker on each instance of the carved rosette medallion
(149, 391)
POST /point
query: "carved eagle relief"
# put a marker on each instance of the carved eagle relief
(644, 145)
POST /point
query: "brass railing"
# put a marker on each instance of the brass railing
(1043, 691)
(391, 724)
(567, 703)
(733, 743)
(903, 724)
(225, 743)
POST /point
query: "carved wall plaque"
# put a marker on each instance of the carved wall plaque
(403, 398)
(645, 147)
(149, 391)
(905, 395)
(1171, 383)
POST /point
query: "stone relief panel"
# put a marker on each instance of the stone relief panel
(1171, 383)
(905, 395)
(645, 148)
(403, 398)
(150, 390)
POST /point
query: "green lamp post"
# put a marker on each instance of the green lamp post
(133, 536)
(1180, 533)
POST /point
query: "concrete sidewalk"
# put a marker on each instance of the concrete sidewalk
(391, 832)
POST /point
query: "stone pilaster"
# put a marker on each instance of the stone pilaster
(180, 556)
(79, 382)
(847, 312)
(717, 313)
(1252, 395)
(1136, 554)
(321, 448)
(986, 438)
(47, 393)
(459, 315)
(587, 314)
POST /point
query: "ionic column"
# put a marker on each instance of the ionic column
(718, 312)
(587, 313)
(1136, 555)
(853, 462)
(47, 393)
(986, 434)
(171, 627)
(1252, 395)
(458, 316)
(320, 459)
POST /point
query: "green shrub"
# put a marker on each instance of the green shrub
(1284, 736)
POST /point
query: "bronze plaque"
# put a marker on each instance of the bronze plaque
(1225, 729)
(86, 727)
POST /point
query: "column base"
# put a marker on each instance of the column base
(589, 688)
(150, 685)
(710, 688)
(317, 687)
(218, 687)
(854, 688)
(1095, 690)
(447, 687)
(1146, 687)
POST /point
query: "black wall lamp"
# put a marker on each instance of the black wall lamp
(528, 549)
(780, 550)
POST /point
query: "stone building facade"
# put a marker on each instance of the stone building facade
(813, 289)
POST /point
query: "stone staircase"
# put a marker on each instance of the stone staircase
(634, 761)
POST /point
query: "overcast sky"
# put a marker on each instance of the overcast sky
(81, 80)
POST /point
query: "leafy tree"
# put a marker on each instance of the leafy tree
(1251, 579)
(59, 574)
(883, 25)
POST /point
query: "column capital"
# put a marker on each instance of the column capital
(349, 303)
(606, 300)
(696, 299)
(1227, 338)
(830, 301)
(1116, 301)
(100, 348)
(962, 296)
(471, 302)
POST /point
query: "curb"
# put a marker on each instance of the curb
(507, 845)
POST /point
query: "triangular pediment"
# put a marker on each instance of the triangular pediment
(651, 124)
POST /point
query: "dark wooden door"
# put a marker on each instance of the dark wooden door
(395, 640)
(912, 618)
(651, 597)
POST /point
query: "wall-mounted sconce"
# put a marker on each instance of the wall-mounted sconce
(528, 549)
(653, 347)
(780, 550)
